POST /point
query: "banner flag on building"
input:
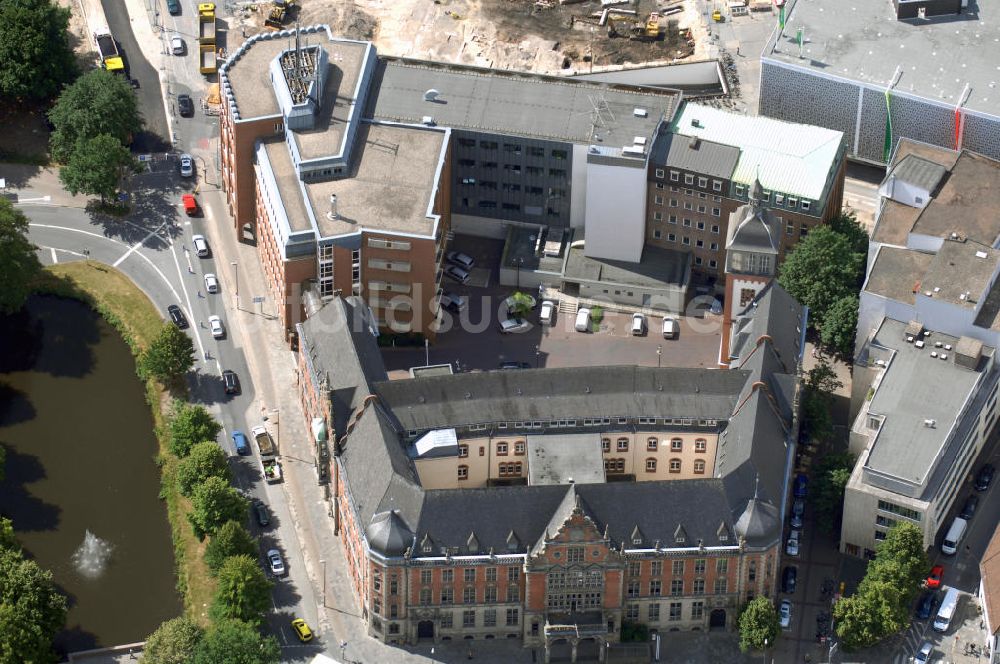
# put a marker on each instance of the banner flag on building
(887, 147)
(781, 17)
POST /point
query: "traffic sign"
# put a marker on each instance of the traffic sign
(258, 300)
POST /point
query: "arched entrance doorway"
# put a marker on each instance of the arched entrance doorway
(717, 619)
(560, 650)
(588, 650)
(425, 629)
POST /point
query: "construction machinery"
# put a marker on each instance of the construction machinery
(620, 25)
(279, 13)
(206, 23)
(107, 47)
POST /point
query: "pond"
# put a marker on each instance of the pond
(81, 480)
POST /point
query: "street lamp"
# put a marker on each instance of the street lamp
(324, 582)
(765, 651)
(518, 263)
(538, 353)
(343, 647)
(659, 356)
(236, 266)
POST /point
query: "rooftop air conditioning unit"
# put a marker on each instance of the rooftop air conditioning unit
(930, 424)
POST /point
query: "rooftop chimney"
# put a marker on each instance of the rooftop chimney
(332, 214)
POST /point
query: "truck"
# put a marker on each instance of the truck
(207, 62)
(276, 17)
(107, 47)
(206, 23)
(270, 466)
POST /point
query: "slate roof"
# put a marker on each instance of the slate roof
(696, 155)
(777, 315)
(754, 230)
(544, 394)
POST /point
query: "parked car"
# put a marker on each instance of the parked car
(177, 46)
(177, 316)
(969, 509)
(798, 510)
(671, 328)
(924, 654)
(794, 540)
(456, 273)
(801, 485)
(200, 245)
(174, 7)
(185, 108)
(638, 325)
(231, 382)
(509, 366)
(926, 605)
(218, 329)
(985, 477)
(452, 302)
(275, 562)
(934, 578)
(263, 516)
(513, 325)
(211, 283)
(240, 442)
(464, 261)
(302, 630)
(186, 164)
(785, 614)
(547, 315)
(788, 578)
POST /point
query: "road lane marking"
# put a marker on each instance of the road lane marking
(187, 297)
(42, 199)
(55, 259)
(138, 245)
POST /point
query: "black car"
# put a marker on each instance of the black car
(177, 316)
(185, 106)
(985, 477)
(508, 366)
(788, 578)
(971, 503)
(174, 7)
(263, 517)
(926, 605)
(231, 381)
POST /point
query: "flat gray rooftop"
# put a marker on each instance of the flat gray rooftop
(660, 268)
(562, 459)
(916, 387)
(391, 186)
(338, 95)
(896, 273)
(967, 201)
(287, 180)
(862, 40)
(506, 102)
(961, 268)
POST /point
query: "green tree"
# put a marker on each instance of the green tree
(903, 546)
(32, 611)
(232, 539)
(868, 616)
(830, 476)
(205, 460)
(213, 503)
(190, 425)
(18, 262)
(236, 642)
(173, 642)
(823, 378)
(99, 102)
(847, 225)
(243, 592)
(8, 540)
(758, 623)
(822, 269)
(169, 357)
(840, 326)
(96, 167)
(520, 304)
(35, 55)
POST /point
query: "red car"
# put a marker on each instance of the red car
(934, 578)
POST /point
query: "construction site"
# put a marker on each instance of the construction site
(544, 36)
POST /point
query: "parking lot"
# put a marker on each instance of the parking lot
(471, 339)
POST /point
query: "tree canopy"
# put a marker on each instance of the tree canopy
(35, 55)
(236, 642)
(243, 592)
(97, 167)
(232, 539)
(173, 642)
(881, 606)
(18, 262)
(169, 357)
(847, 225)
(821, 269)
(205, 460)
(213, 503)
(841, 325)
(830, 476)
(758, 623)
(32, 611)
(189, 425)
(99, 102)
(8, 540)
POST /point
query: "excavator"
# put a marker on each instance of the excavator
(627, 26)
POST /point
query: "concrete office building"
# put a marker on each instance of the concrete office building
(883, 70)
(349, 170)
(703, 169)
(531, 504)
(929, 323)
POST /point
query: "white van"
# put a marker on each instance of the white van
(547, 313)
(638, 325)
(948, 606)
(955, 533)
(670, 328)
(583, 320)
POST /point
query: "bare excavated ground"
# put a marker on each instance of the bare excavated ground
(529, 35)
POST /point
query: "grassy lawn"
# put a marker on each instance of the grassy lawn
(129, 310)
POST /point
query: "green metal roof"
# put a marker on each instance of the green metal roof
(790, 158)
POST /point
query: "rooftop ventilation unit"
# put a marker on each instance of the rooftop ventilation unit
(918, 344)
(930, 424)
(695, 122)
(431, 95)
(640, 112)
(428, 120)
(639, 140)
(332, 214)
(981, 254)
(943, 356)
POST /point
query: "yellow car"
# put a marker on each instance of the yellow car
(302, 630)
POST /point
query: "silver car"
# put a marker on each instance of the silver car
(187, 166)
(200, 245)
(275, 562)
(218, 329)
(177, 46)
(211, 283)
